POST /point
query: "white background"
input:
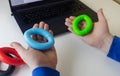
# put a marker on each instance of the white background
(75, 58)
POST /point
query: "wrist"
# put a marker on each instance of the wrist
(106, 43)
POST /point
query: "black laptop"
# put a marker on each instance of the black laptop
(53, 12)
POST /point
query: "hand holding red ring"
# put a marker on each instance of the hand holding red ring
(16, 60)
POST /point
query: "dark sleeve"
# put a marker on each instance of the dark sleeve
(114, 51)
(45, 71)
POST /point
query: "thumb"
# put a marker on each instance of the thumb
(19, 48)
(100, 14)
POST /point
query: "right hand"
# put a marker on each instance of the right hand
(100, 37)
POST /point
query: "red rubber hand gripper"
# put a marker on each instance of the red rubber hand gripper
(15, 60)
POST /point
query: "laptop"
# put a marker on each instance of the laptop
(53, 12)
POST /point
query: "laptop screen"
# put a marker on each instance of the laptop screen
(20, 2)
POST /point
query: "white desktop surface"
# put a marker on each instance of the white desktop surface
(75, 58)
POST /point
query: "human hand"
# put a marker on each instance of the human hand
(100, 37)
(34, 58)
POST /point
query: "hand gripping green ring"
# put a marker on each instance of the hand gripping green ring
(87, 29)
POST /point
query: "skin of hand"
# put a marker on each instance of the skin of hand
(34, 58)
(99, 37)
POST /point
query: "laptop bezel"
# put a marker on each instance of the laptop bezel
(27, 5)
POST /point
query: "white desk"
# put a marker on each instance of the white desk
(75, 58)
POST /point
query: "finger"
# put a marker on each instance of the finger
(35, 36)
(20, 49)
(72, 18)
(50, 31)
(41, 24)
(100, 14)
(35, 25)
(68, 24)
(46, 27)
(70, 29)
(68, 20)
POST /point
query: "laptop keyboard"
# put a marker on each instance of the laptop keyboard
(37, 14)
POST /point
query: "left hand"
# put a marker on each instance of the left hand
(34, 58)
